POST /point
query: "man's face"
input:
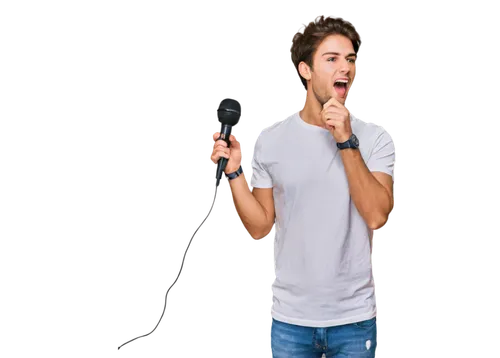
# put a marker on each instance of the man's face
(333, 65)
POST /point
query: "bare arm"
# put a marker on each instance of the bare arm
(372, 193)
(256, 208)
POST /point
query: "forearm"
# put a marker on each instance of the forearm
(372, 200)
(251, 212)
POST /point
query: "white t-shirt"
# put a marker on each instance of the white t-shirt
(322, 246)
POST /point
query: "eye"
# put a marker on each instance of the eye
(333, 59)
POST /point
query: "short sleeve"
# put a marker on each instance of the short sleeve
(260, 177)
(383, 154)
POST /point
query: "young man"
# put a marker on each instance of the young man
(326, 179)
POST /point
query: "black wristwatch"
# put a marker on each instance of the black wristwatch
(235, 174)
(352, 142)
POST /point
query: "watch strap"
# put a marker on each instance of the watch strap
(235, 174)
(348, 143)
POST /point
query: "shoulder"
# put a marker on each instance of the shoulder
(367, 130)
(276, 130)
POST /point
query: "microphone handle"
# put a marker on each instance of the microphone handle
(225, 133)
(219, 171)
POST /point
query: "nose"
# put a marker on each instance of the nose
(344, 66)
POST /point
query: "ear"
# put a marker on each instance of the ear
(305, 70)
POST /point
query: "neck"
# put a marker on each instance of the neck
(311, 113)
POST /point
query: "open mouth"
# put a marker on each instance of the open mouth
(341, 87)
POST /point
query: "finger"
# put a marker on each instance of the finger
(332, 101)
(215, 156)
(222, 149)
(214, 136)
(333, 112)
(217, 137)
(331, 116)
(220, 142)
(219, 154)
(335, 123)
(234, 143)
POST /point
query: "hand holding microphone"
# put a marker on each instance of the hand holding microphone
(232, 153)
(229, 114)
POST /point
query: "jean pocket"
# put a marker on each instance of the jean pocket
(369, 323)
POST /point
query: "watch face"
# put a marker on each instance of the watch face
(355, 140)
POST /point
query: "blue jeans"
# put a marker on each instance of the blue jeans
(355, 340)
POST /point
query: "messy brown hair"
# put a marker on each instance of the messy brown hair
(304, 45)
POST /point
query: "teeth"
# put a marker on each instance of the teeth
(341, 81)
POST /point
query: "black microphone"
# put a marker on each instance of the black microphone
(229, 114)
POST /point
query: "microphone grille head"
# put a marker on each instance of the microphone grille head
(229, 112)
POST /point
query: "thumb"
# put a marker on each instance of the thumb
(216, 135)
(234, 142)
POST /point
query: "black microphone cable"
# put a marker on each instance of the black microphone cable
(187, 248)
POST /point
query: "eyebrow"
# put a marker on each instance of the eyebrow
(338, 54)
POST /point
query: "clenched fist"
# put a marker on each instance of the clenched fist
(233, 153)
(336, 118)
